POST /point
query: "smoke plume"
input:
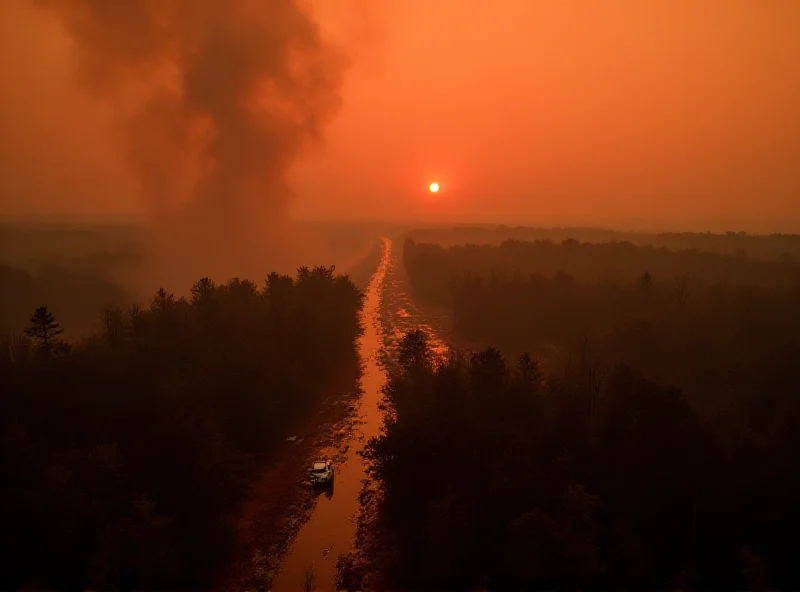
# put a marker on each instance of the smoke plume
(215, 100)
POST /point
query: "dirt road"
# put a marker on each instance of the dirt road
(331, 525)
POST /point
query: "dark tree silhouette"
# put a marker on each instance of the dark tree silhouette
(113, 325)
(528, 370)
(44, 330)
(203, 291)
(163, 300)
(414, 350)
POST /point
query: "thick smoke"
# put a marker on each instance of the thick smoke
(216, 99)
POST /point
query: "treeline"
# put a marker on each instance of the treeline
(99, 246)
(75, 293)
(126, 456)
(719, 340)
(491, 476)
(432, 267)
(759, 246)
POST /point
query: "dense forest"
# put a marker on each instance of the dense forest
(720, 327)
(491, 474)
(125, 455)
(431, 267)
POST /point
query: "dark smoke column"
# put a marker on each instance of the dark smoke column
(216, 99)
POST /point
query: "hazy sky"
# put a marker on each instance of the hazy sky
(670, 110)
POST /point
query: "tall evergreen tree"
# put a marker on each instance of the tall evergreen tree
(44, 329)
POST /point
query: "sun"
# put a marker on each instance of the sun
(434, 187)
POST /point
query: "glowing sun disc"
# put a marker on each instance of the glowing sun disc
(434, 187)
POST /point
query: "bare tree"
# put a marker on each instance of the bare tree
(682, 291)
(15, 349)
(135, 321)
(528, 370)
(113, 324)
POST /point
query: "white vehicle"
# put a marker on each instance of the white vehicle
(322, 472)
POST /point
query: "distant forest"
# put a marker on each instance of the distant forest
(76, 294)
(125, 455)
(719, 326)
(759, 246)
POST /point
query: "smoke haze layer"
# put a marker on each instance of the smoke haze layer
(212, 102)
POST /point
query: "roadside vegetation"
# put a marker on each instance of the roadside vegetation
(124, 457)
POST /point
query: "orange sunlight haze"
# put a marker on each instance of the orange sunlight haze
(669, 113)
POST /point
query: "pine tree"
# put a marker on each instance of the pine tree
(44, 330)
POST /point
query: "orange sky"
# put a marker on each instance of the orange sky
(675, 111)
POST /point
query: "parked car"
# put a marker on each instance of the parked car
(322, 472)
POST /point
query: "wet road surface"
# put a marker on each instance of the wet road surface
(387, 314)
